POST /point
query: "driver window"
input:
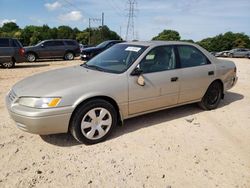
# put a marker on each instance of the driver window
(159, 59)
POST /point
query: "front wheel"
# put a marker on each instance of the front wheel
(212, 97)
(31, 57)
(69, 56)
(93, 122)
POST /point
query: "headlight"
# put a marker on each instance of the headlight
(36, 102)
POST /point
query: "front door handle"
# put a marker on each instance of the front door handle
(210, 73)
(174, 79)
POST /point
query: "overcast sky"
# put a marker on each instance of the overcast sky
(193, 19)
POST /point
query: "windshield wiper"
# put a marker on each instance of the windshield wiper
(93, 67)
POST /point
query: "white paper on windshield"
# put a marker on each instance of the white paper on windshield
(133, 49)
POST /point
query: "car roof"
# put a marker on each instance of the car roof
(158, 43)
(59, 40)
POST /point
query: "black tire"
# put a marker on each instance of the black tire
(31, 57)
(8, 65)
(69, 56)
(231, 55)
(82, 112)
(212, 97)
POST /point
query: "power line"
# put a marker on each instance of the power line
(75, 7)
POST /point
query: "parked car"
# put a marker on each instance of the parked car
(11, 52)
(221, 54)
(82, 46)
(88, 53)
(58, 48)
(127, 80)
(239, 52)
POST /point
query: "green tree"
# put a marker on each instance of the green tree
(65, 32)
(9, 27)
(226, 41)
(168, 35)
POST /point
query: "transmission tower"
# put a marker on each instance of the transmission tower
(131, 25)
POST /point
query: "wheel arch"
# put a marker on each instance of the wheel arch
(32, 52)
(71, 51)
(103, 97)
(222, 86)
(13, 59)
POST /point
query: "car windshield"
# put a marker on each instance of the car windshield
(103, 44)
(116, 59)
(38, 44)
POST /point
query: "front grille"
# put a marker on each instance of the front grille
(12, 96)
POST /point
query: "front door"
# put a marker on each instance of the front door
(161, 77)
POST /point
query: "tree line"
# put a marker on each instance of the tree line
(31, 35)
(221, 42)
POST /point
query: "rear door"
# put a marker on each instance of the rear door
(6, 51)
(197, 73)
(58, 49)
(161, 87)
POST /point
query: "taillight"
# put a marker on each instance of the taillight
(21, 51)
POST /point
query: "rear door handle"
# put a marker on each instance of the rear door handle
(174, 79)
(211, 73)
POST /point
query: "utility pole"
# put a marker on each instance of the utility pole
(131, 15)
(94, 20)
(89, 32)
(102, 19)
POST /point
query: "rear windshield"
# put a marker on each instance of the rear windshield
(17, 43)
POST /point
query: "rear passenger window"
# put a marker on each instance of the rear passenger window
(191, 57)
(58, 43)
(4, 43)
(49, 43)
(70, 43)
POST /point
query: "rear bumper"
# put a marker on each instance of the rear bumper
(230, 83)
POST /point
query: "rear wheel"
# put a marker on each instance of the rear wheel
(9, 64)
(212, 97)
(93, 122)
(69, 56)
(231, 55)
(31, 57)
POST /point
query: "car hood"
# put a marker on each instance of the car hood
(59, 82)
(90, 49)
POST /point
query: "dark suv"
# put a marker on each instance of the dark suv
(88, 53)
(11, 52)
(58, 48)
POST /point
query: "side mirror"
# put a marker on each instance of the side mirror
(136, 72)
(141, 81)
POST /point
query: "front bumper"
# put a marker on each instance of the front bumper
(85, 57)
(39, 121)
(42, 125)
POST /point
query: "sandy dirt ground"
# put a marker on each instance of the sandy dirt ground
(179, 147)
